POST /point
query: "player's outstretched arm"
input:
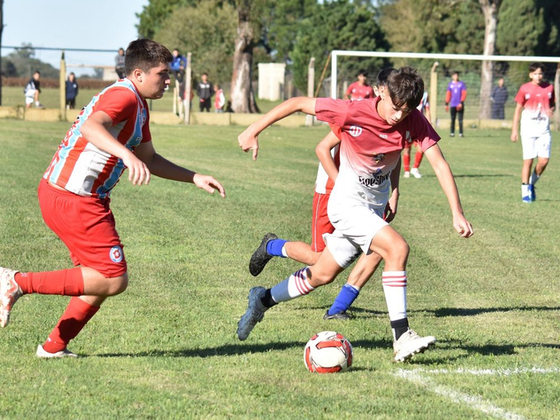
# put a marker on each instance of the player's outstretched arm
(248, 140)
(449, 187)
(164, 168)
(96, 131)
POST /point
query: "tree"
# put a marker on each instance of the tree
(22, 63)
(339, 25)
(153, 16)
(242, 95)
(490, 9)
(208, 32)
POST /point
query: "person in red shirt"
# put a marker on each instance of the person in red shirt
(111, 134)
(373, 136)
(535, 106)
(360, 90)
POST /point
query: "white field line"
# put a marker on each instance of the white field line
(472, 401)
(485, 372)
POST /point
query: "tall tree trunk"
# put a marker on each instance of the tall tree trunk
(490, 10)
(242, 95)
(1, 29)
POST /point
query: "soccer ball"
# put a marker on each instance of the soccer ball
(327, 352)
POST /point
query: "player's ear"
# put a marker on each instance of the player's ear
(138, 75)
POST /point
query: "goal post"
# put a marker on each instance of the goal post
(433, 62)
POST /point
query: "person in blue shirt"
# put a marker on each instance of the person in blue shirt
(178, 65)
(71, 91)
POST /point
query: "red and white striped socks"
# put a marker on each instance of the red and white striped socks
(394, 287)
(294, 286)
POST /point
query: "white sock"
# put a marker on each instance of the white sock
(294, 286)
(394, 287)
(525, 190)
(284, 253)
(37, 103)
(534, 178)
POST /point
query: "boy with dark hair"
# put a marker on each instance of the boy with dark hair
(455, 102)
(359, 90)
(373, 134)
(32, 90)
(204, 91)
(110, 135)
(535, 106)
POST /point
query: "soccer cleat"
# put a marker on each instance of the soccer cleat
(416, 173)
(261, 257)
(410, 344)
(527, 199)
(451, 134)
(10, 292)
(343, 316)
(460, 134)
(43, 354)
(255, 313)
(406, 174)
(532, 192)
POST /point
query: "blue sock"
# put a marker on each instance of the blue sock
(344, 300)
(274, 247)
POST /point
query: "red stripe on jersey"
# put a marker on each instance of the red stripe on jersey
(71, 161)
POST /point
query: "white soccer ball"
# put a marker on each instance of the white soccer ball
(327, 352)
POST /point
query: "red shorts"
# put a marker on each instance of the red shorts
(320, 223)
(86, 226)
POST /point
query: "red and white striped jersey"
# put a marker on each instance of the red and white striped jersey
(84, 169)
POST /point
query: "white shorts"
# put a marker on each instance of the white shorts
(355, 227)
(536, 146)
(30, 96)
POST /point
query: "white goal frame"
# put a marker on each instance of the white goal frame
(435, 57)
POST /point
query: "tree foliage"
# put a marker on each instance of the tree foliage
(153, 16)
(341, 25)
(208, 32)
(22, 63)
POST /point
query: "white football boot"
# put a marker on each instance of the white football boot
(43, 354)
(410, 344)
(10, 292)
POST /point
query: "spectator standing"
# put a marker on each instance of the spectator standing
(178, 65)
(499, 97)
(360, 89)
(71, 91)
(219, 99)
(32, 90)
(455, 101)
(204, 91)
(119, 64)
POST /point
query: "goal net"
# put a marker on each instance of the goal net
(436, 70)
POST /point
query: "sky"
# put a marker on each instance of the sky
(93, 24)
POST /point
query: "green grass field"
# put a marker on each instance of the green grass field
(167, 349)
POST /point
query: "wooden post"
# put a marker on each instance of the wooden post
(62, 89)
(175, 93)
(433, 95)
(188, 88)
(310, 87)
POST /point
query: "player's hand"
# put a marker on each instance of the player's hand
(446, 108)
(248, 141)
(391, 209)
(550, 112)
(463, 226)
(460, 107)
(514, 136)
(138, 172)
(209, 184)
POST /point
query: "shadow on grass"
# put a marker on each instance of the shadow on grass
(235, 349)
(443, 312)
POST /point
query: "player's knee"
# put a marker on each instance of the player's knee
(118, 284)
(320, 278)
(399, 250)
